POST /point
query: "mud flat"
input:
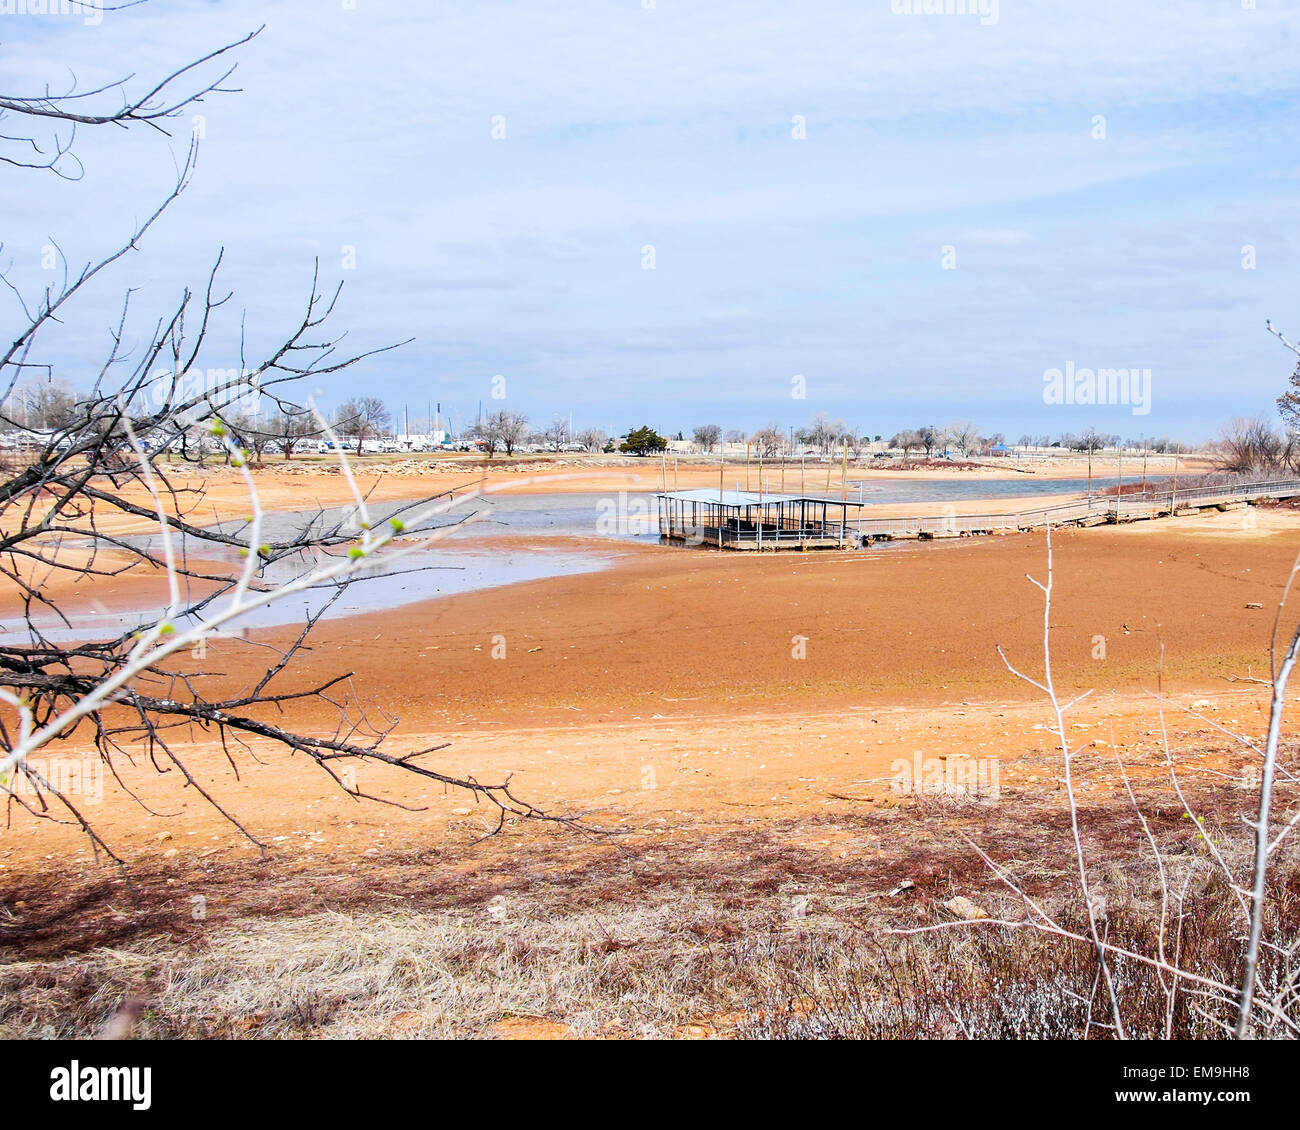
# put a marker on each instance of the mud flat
(698, 648)
(754, 796)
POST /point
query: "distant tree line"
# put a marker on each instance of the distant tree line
(44, 405)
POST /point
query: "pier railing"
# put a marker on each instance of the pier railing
(1097, 507)
(771, 534)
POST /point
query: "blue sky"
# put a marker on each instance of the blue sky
(370, 127)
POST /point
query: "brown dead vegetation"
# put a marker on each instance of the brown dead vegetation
(772, 928)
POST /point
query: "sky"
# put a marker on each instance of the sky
(664, 212)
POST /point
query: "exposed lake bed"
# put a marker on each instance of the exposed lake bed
(504, 538)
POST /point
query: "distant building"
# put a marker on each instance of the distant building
(421, 441)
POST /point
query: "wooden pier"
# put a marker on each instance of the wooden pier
(738, 519)
(755, 521)
(1093, 510)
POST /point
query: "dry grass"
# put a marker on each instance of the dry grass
(439, 974)
(776, 929)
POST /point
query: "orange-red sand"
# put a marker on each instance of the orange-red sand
(670, 684)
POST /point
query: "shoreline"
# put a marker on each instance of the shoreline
(692, 654)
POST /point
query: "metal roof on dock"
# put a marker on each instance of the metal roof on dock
(711, 497)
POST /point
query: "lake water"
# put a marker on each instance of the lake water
(623, 515)
(420, 574)
(448, 568)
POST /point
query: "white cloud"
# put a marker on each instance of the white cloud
(624, 126)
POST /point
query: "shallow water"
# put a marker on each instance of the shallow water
(447, 568)
(421, 574)
(624, 515)
(954, 490)
(621, 515)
